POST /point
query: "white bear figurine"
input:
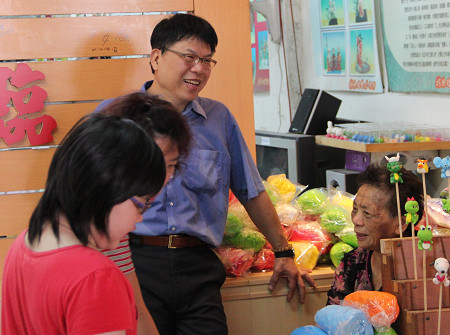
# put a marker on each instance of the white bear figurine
(441, 265)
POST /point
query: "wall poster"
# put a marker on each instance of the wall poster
(260, 54)
(344, 35)
(416, 37)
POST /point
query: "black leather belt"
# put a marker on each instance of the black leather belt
(169, 241)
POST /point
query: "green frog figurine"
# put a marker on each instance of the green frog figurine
(425, 235)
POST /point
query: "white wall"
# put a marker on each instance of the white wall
(272, 111)
(272, 108)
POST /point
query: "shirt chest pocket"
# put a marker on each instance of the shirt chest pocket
(204, 170)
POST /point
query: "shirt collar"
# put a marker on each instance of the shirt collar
(195, 107)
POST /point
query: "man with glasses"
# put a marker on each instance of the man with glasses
(179, 274)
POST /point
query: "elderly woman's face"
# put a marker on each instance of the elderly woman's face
(371, 218)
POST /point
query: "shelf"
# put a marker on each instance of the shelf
(384, 147)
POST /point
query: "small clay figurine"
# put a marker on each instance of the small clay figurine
(425, 235)
(411, 207)
(394, 165)
(422, 166)
(443, 163)
(441, 265)
(446, 205)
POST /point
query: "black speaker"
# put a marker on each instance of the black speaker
(315, 109)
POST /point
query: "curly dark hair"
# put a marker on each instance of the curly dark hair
(378, 176)
(158, 117)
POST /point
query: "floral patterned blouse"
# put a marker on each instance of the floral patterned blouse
(354, 273)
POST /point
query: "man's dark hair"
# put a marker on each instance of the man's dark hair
(180, 27)
(158, 117)
(103, 161)
(378, 176)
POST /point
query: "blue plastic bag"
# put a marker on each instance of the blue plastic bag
(343, 320)
(308, 330)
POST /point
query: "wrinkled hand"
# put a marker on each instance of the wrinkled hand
(287, 268)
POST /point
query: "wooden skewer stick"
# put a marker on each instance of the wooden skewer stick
(399, 213)
(413, 240)
(424, 276)
(425, 298)
(440, 309)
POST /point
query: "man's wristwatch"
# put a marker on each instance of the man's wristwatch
(287, 251)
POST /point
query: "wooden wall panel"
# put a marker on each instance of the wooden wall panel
(88, 81)
(234, 60)
(24, 170)
(5, 244)
(33, 38)
(27, 7)
(93, 79)
(16, 211)
(65, 115)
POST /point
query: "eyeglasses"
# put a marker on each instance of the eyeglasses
(191, 59)
(142, 207)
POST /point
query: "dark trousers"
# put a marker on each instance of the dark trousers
(181, 288)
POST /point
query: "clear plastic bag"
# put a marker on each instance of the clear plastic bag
(306, 254)
(343, 320)
(263, 260)
(436, 214)
(286, 189)
(311, 232)
(348, 235)
(237, 262)
(380, 308)
(334, 218)
(338, 251)
(308, 330)
(341, 198)
(287, 213)
(314, 201)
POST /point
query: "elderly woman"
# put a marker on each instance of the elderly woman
(375, 217)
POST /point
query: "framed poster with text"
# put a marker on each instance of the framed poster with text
(416, 38)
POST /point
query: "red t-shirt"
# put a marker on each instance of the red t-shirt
(71, 290)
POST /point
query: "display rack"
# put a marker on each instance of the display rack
(398, 279)
(381, 147)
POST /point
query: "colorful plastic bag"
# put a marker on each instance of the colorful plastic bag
(312, 232)
(314, 201)
(264, 260)
(380, 308)
(338, 251)
(343, 320)
(334, 218)
(306, 254)
(237, 262)
(308, 330)
(287, 189)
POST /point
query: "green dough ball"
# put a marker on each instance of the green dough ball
(272, 196)
(350, 238)
(338, 251)
(389, 332)
(234, 225)
(334, 219)
(312, 201)
(246, 239)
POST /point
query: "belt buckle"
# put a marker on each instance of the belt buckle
(170, 246)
